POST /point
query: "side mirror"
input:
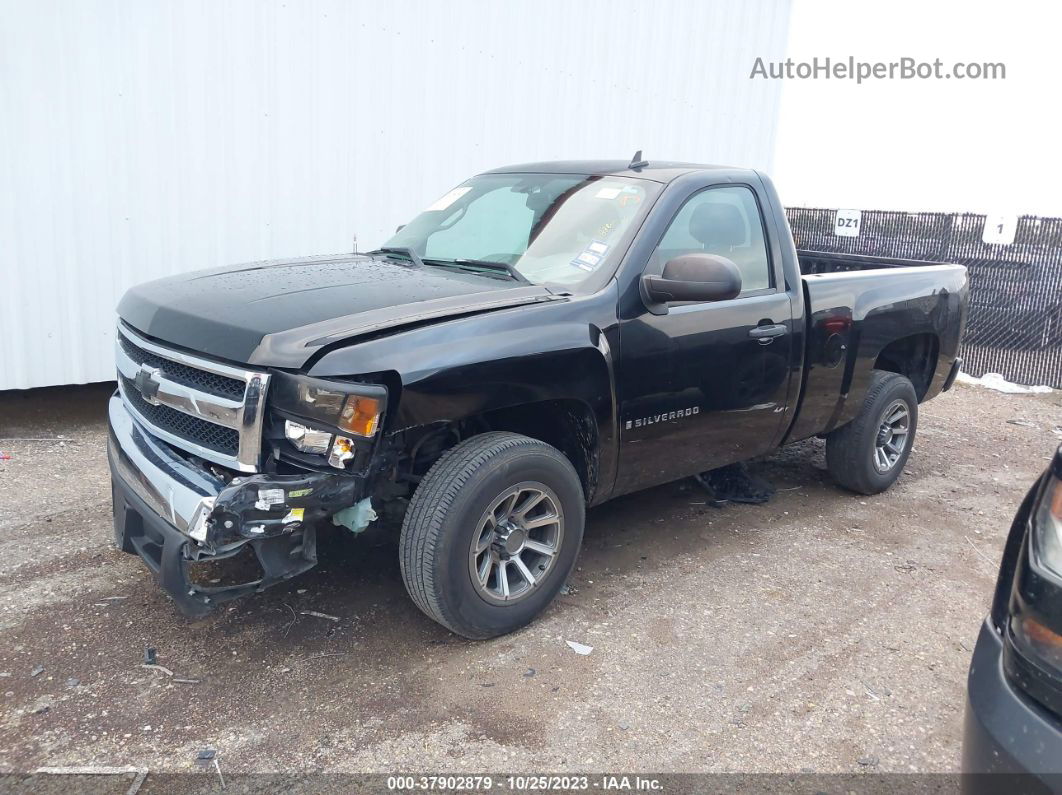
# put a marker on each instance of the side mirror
(693, 277)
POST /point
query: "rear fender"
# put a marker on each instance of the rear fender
(854, 316)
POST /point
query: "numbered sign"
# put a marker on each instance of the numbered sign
(1000, 229)
(847, 222)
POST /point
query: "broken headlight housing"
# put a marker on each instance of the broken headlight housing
(306, 439)
(324, 417)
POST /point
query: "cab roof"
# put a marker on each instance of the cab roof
(656, 170)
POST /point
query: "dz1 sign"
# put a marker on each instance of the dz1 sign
(846, 224)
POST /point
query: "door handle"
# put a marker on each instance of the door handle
(767, 333)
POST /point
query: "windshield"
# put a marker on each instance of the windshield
(552, 229)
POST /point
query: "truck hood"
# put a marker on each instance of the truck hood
(282, 312)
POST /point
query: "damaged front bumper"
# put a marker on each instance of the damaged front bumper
(174, 515)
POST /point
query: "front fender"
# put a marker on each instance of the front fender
(466, 367)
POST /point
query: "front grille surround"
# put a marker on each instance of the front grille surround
(208, 408)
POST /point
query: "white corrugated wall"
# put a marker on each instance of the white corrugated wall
(140, 139)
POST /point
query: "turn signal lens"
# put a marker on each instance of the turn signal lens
(360, 415)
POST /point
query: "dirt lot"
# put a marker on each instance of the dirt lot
(822, 631)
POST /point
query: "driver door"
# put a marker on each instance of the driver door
(707, 383)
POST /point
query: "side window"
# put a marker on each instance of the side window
(724, 221)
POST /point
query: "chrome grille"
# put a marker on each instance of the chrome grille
(210, 409)
(205, 434)
(215, 384)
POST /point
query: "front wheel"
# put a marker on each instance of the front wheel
(492, 533)
(868, 454)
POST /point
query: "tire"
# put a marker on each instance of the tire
(852, 451)
(479, 484)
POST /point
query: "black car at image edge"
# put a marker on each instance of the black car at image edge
(1013, 723)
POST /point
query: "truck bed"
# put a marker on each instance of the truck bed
(855, 306)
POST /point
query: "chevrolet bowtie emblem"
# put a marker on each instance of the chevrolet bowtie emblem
(147, 383)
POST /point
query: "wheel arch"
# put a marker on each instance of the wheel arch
(567, 424)
(914, 357)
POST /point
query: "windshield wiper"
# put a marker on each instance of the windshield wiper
(405, 251)
(484, 266)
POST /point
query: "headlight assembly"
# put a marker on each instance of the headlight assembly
(325, 418)
(353, 409)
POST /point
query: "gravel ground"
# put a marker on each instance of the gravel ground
(821, 632)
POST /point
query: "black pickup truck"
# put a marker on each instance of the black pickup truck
(541, 339)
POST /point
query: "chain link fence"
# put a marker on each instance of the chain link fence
(1015, 322)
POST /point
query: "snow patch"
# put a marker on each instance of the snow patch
(1000, 384)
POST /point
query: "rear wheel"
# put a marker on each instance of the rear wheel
(868, 454)
(492, 533)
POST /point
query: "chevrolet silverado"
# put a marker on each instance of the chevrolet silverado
(539, 340)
